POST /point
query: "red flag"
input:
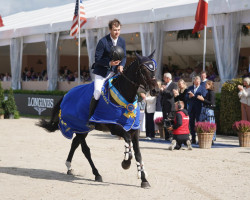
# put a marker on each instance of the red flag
(201, 16)
(1, 21)
(83, 20)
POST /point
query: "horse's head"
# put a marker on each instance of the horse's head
(146, 76)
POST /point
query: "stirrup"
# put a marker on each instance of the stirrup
(91, 125)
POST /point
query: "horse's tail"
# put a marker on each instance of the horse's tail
(51, 125)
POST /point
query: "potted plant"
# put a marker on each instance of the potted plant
(160, 123)
(243, 130)
(205, 131)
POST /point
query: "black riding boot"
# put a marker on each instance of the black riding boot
(92, 107)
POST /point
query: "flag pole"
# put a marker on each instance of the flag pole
(204, 47)
(79, 44)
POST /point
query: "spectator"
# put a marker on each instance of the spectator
(180, 128)
(167, 100)
(71, 77)
(149, 115)
(158, 109)
(244, 96)
(6, 77)
(194, 73)
(203, 78)
(194, 104)
(180, 94)
(245, 74)
(207, 112)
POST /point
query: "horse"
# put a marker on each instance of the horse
(138, 74)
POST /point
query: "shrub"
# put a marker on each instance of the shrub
(230, 110)
(1, 111)
(242, 126)
(205, 127)
(10, 104)
(1, 96)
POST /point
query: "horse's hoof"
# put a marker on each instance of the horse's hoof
(98, 178)
(70, 172)
(126, 164)
(145, 185)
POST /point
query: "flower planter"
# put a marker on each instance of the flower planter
(205, 140)
(244, 139)
(162, 132)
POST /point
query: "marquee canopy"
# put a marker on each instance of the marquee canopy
(33, 25)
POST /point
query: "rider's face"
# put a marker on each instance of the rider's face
(115, 31)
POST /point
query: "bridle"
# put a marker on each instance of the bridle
(139, 70)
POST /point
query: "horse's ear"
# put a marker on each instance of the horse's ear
(151, 55)
(138, 56)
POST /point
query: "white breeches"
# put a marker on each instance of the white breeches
(99, 81)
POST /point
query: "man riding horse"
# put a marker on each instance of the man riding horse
(105, 66)
(114, 103)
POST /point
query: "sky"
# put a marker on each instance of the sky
(9, 7)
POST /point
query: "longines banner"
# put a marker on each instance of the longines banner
(32, 104)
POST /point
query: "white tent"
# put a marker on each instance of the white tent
(147, 16)
(179, 15)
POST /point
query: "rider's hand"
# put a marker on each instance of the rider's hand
(120, 69)
(114, 63)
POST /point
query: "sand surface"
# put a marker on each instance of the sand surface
(32, 167)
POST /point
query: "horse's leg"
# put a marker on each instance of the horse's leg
(75, 143)
(86, 152)
(140, 165)
(128, 155)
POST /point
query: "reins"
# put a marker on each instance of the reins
(134, 83)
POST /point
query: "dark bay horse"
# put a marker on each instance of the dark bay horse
(140, 73)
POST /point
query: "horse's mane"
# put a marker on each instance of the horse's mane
(128, 66)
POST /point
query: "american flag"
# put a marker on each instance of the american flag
(83, 20)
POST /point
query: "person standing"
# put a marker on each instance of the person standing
(104, 67)
(180, 94)
(167, 100)
(194, 104)
(203, 78)
(244, 96)
(207, 112)
(149, 114)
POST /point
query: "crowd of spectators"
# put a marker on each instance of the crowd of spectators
(65, 74)
(188, 74)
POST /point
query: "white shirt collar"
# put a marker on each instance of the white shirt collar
(169, 83)
(114, 41)
(195, 87)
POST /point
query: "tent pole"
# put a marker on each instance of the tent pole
(204, 47)
(79, 43)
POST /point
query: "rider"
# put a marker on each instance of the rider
(104, 67)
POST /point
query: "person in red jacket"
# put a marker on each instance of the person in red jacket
(180, 128)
